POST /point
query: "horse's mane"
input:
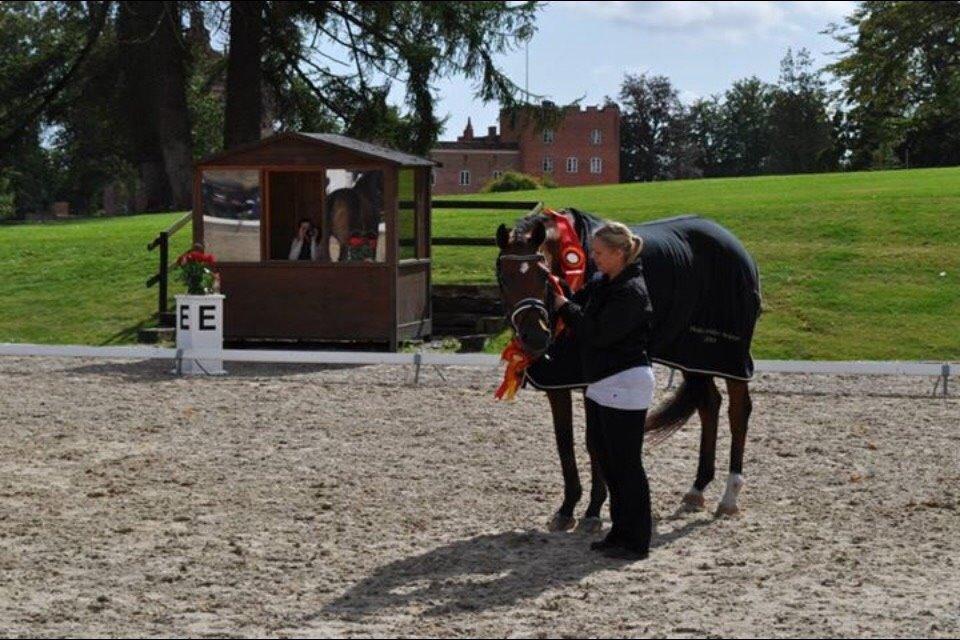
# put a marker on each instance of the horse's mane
(525, 225)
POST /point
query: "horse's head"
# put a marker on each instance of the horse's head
(524, 286)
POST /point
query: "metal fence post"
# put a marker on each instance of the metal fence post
(417, 360)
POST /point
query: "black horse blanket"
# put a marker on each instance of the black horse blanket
(705, 292)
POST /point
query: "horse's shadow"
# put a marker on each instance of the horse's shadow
(480, 573)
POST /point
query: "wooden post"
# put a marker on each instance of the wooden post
(162, 284)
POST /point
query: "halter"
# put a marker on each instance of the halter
(525, 303)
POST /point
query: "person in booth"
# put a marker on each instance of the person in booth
(304, 244)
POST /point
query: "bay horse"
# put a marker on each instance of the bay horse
(352, 210)
(705, 291)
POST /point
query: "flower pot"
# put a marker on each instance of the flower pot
(199, 321)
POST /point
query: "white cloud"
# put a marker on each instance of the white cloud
(729, 22)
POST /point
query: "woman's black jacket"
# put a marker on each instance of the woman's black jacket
(611, 320)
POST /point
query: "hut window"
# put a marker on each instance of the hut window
(231, 214)
(408, 230)
(354, 229)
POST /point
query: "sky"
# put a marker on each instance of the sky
(583, 49)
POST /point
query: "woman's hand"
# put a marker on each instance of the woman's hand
(558, 298)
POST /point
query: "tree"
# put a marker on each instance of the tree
(650, 127)
(800, 128)
(154, 61)
(745, 134)
(93, 91)
(340, 59)
(244, 105)
(45, 46)
(705, 126)
(901, 82)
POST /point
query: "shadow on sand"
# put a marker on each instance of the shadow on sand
(157, 370)
(483, 572)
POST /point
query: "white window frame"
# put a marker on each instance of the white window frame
(548, 136)
(596, 164)
(464, 177)
(547, 164)
(573, 165)
(596, 136)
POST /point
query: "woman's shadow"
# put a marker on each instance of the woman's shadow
(483, 572)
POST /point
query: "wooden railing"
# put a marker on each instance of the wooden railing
(162, 241)
(530, 207)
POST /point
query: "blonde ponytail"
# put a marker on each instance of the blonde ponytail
(619, 236)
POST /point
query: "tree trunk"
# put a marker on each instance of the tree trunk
(244, 108)
(173, 116)
(155, 65)
(135, 22)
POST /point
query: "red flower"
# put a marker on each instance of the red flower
(196, 257)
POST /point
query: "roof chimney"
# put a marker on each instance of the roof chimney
(492, 131)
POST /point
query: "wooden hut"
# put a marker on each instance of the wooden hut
(365, 276)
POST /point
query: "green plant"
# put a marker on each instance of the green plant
(511, 181)
(195, 270)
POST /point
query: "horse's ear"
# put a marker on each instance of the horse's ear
(538, 235)
(503, 237)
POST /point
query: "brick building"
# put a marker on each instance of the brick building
(583, 149)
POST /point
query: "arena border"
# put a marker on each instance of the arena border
(939, 370)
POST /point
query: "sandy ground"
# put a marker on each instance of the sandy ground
(309, 501)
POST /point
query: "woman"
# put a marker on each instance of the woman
(304, 244)
(610, 318)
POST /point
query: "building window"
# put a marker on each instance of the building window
(548, 165)
(596, 165)
(465, 178)
(572, 164)
(497, 174)
(547, 136)
(596, 136)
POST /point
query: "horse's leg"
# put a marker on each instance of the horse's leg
(739, 412)
(592, 522)
(709, 410)
(561, 406)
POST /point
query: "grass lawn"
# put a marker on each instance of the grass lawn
(81, 282)
(853, 266)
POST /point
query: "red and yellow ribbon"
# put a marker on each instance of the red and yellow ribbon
(517, 361)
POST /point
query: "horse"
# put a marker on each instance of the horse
(705, 291)
(351, 211)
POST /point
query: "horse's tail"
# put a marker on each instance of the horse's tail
(671, 414)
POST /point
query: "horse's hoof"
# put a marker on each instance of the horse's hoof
(592, 524)
(560, 522)
(729, 510)
(693, 501)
